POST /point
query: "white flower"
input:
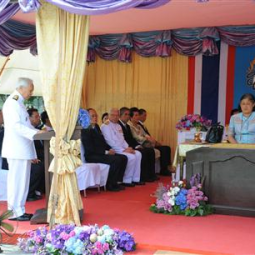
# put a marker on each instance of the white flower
(100, 232)
(171, 202)
(172, 193)
(176, 190)
(108, 232)
(168, 193)
(180, 183)
(93, 238)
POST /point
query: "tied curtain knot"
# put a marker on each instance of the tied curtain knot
(68, 155)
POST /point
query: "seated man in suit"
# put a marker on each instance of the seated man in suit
(113, 135)
(148, 154)
(37, 177)
(4, 164)
(165, 151)
(98, 151)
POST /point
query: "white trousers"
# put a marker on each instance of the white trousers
(133, 168)
(18, 185)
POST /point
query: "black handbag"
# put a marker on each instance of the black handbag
(215, 133)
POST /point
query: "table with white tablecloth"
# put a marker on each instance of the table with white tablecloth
(180, 156)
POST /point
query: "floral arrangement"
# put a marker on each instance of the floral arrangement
(83, 118)
(177, 199)
(69, 239)
(193, 121)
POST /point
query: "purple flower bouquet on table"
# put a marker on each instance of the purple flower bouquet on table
(193, 121)
(177, 200)
(69, 239)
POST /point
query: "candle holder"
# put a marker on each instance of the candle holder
(197, 137)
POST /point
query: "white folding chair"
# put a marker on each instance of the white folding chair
(88, 175)
(104, 169)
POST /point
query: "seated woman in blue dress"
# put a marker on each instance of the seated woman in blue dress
(242, 125)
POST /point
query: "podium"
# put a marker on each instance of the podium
(40, 215)
(229, 177)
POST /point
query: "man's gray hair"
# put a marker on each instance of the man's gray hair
(23, 82)
(114, 109)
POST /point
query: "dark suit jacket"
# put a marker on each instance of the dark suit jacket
(4, 161)
(93, 141)
(128, 135)
(39, 147)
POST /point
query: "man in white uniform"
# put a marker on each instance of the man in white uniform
(113, 135)
(18, 147)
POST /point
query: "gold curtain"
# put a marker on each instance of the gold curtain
(62, 40)
(158, 85)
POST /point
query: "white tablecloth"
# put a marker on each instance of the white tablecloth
(183, 136)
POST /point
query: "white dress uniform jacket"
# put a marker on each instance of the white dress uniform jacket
(18, 137)
(113, 135)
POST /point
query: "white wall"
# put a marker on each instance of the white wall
(21, 64)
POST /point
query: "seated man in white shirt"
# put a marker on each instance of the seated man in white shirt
(113, 135)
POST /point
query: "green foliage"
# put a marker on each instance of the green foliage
(202, 210)
(6, 227)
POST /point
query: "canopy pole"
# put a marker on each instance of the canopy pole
(5, 62)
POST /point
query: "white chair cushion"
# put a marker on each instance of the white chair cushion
(88, 175)
(104, 168)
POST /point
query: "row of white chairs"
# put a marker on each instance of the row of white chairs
(89, 175)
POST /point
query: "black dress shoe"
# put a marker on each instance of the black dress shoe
(150, 180)
(21, 218)
(112, 188)
(119, 186)
(30, 215)
(128, 184)
(156, 178)
(165, 173)
(139, 183)
(34, 198)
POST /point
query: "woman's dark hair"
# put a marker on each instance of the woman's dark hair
(44, 117)
(104, 114)
(234, 111)
(248, 96)
(133, 110)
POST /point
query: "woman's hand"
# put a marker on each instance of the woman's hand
(231, 139)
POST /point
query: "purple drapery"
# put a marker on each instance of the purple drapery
(238, 36)
(209, 36)
(94, 43)
(8, 12)
(88, 7)
(29, 5)
(164, 44)
(17, 36)
(96, 7)
(3, 4)
(126, 46)
(189, 42)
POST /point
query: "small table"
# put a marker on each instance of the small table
(180, 153)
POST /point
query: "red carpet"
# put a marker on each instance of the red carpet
(129, 210)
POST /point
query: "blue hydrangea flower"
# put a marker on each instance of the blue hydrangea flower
(83, 118)
(181, 199)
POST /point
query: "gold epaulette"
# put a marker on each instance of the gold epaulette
(15, 97)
